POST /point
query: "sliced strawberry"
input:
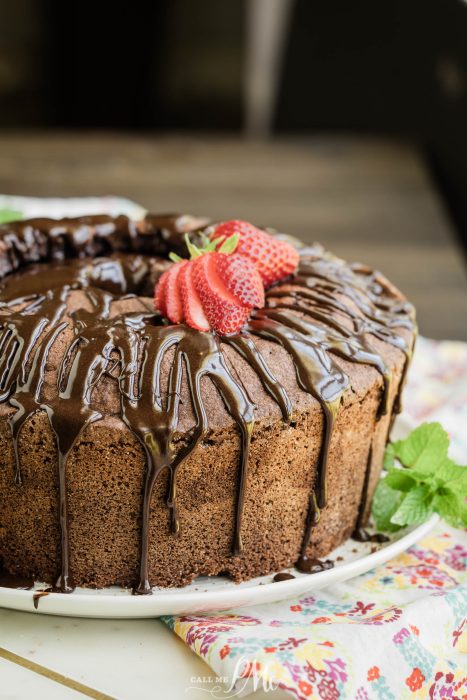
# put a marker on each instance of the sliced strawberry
(241, 277)
(216, 289)
(275, 259)
(160, 294)
(225, 313)
(193, 312)
(168, 297)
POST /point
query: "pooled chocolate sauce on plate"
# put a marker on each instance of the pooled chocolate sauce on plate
(362, 535)
(282, 576)
(326, 309)
(312, 565)
(38, 595)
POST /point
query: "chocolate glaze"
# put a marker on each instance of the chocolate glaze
(362, 535)
(311, 565)
(44, 240)
(282, 576)
(308, 315)
(38, 595)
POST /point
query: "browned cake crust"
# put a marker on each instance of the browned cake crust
(212, 522)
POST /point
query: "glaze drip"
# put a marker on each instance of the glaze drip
(325, 311)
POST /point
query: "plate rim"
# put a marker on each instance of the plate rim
(196, 600)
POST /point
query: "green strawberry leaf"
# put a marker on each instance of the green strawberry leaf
(229, 245)
(208, 246)
(7, 215)
(193, 249)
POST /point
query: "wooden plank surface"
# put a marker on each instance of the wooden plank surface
(364, 199)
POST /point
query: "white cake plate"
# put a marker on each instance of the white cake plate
(217, 593)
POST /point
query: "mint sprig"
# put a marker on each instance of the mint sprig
(7, 215)
(421, 479)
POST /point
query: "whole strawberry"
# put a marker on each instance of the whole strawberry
(214, 290)
(275, 259)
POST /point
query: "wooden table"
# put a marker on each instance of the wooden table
(364, 199)
(52, 658)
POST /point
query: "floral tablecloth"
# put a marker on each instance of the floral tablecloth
(398, 631)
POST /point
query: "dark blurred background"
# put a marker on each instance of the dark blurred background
(392, 68)
(258, 71)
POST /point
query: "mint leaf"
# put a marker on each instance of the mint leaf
(415, 508)
(386, 501)
(453, 475)
(400, 479)
(424, 449)
(449, 505)
(427, 480)
(7, 215)
(389, 457)
(447, 470)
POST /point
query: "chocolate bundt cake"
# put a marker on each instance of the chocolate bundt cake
(142, 453)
